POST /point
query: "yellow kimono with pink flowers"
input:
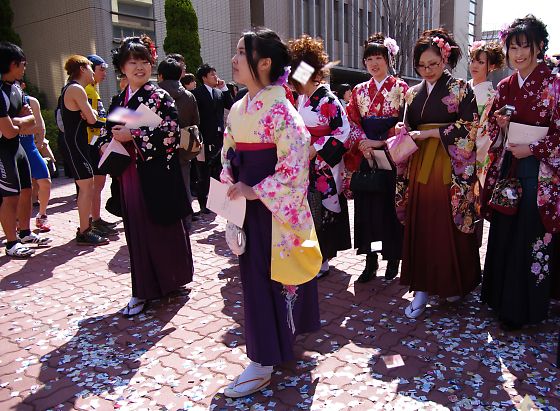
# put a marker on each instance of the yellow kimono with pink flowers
(269, 118)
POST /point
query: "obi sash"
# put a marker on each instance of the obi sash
(318, 132)
(377, 128)
(430, 148)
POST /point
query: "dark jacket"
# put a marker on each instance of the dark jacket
(211, 111)
(185, 102)
(157, 163)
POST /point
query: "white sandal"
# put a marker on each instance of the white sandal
(138, 307)
(18, 250)
(412, 312)
(235, 389)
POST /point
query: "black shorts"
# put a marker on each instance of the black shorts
(75, 150)
(15, 173)
(94, 159)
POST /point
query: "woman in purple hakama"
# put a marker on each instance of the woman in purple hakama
(152, 192)
(266, 160)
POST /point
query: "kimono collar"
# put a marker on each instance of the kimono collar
(380, 83)
(443, 79)
(538, 74)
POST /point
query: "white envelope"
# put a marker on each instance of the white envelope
(218, 202)
(523, 134)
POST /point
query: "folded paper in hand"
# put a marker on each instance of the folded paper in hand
(218, 202)
(524, 134)
(141, 117)
(114, 160)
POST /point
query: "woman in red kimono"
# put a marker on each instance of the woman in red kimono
(518, 271)
(326, 120)
(374, 109)
(435, 188)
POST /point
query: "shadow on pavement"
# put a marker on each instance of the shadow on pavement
(103, 356)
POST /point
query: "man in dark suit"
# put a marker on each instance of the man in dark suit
(212, 96)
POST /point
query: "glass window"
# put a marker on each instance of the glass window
(471, 18)
(472, 7)
(139, 10)
(471, 29)
(336, 22)
(318, 17)
(346, 24)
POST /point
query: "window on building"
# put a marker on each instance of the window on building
(319, 17)
(336, 21)
(133, 18)
(346, 23)
(472, 6)
(361, 26)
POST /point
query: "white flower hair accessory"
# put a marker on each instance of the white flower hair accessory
(392, 46)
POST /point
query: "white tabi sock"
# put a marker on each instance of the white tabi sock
(420, 299)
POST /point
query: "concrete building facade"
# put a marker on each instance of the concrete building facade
(52, 31)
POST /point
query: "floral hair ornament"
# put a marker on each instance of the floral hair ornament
(393, 48)
(480, 44)
(504, 33)
(283, 79)
(444, 48)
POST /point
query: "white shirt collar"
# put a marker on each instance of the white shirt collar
(429, 87)
(521, 80)
(209, 89)
(380, 84)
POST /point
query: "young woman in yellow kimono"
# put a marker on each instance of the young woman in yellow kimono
(435, 188)
(265, 158)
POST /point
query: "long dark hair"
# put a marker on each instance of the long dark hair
(265, 43)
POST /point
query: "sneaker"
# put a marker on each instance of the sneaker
(103, 229)
(19, 250)
(90, 237)
(42, 223)
(105, 223)
(33, 238)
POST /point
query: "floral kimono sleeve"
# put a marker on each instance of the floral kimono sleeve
(547, 150)
(331, 147)
(229, 143)
(161, 141)
(284, 192)
(353, 157)
(459, 138)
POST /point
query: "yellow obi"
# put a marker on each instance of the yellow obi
(430, 151)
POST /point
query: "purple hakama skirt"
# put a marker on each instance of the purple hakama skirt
(160, 255)
(268, 337)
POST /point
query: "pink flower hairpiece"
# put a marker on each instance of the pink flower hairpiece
(444, 48)
(392, 46)
(477, 45)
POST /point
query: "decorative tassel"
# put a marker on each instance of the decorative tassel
(290, 291)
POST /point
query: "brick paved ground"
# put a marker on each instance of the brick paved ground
(65, 345)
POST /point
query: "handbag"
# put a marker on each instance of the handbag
(507, 192)
(369, 179)
(235, 238)
(401, 146)
(190, 141)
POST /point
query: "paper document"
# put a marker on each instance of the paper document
(523, 134)
(114, 146)
(382, 160)
(218, 202)
(392, 361)
(141, 117)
